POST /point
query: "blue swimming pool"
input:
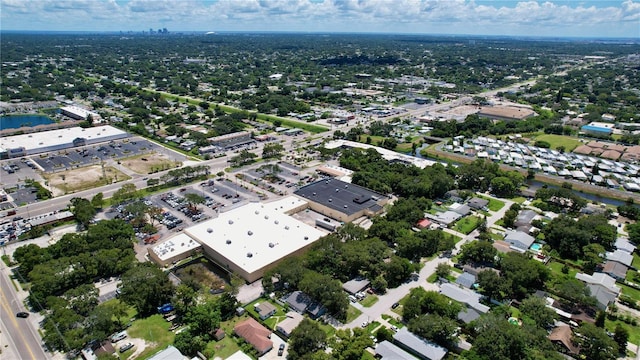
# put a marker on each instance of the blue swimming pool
(536, 247)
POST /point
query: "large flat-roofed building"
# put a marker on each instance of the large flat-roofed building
(55, 140)
(174, 249)
(250, 239)
(387, 154)
(230, 140)
(506, 112)
(341, 200)
(79, 113)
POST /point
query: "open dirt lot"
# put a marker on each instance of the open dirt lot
(70, 181)
(149, 163)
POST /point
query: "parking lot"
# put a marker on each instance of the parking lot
(93, 154)
(279, 178)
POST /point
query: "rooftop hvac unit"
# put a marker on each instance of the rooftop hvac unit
(249, 255)
(209, 230)
(228, 241)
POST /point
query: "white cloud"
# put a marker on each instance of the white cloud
(430, 16)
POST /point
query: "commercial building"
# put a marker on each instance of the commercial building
(247, 240)
(386, 153)
(230, 140)
(79, 113)
(56, 140)
(341, 200)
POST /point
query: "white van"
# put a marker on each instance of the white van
(353, 299)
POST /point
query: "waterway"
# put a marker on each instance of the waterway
(18, 121)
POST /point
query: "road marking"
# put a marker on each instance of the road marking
(13, 319)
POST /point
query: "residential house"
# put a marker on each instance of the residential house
(265, 310)
(602, 286)
(169, 353)
(387, 351)
(519, 240)
(255, 334)
(354, 286)
(620, 256)
(423, 224)
(315, 310)
(478, 203)
(466, 280)
(615, 269)
(475, 270)
(461, 209)
(287, 325)
(453, 195)
(625, 245)
(467, 315)
(298, 301)
(421, 348)
(525, 217)
(465, 296)
(561, 336)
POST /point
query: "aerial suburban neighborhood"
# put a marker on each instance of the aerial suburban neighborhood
(263, 196)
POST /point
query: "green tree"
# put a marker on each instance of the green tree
(621, 337)
(536, 309)
(439, 329)
(189, 343)
(193, 200)
(594, 343)
(83, 211)
(145, 287)
(272, 150)
(350, 344)
(481, 252)
(98, 200)
(443, 270)
(306, 339)
(203, 318)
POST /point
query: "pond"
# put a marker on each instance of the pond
(18, 121)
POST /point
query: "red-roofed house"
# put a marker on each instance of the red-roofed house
(424, 223)
(255, 334)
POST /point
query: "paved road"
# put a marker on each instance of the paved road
(19, 338)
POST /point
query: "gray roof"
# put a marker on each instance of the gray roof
(620, 256)
(624, 245)
(466, 279)
(387, 350)
(468, 315)
(355, 285)
(419, 346)
(465, 296)
(477, 203)
(170, 353)
(519, 239)
(603, 280)
(446, 217)
(298, 301)
(615, 269)
(602, 295)
(339, 195)
(525, 217)
(462, 210)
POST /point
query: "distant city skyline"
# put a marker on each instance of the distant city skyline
(553, 18)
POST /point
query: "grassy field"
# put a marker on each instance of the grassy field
(352, 313)
(494, 204)
(369, 301)
(634, 331)
(636, 261)
(629, 291)
(467, 224)
(154, 330)
(556, 270)
(149, 163)
(568, 142)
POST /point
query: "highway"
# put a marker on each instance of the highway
(18, 338)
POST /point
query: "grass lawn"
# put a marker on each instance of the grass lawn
(568, 142)
(352, 313)
(432, 278)
(556, 269)
(518, 199)
(391, 320)
(372, 326)
(330, 330)
(494, 204)
(634, 331)
(467, 224)
(636, 261)
(369, 300)
(154, 329)
(455, 238)
(630, 292)
(272, 321)
(228, 345)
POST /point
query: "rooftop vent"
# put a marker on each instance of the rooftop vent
(314, 194)
(249, 232)
(266, 217)
(230, 222)
(346, 186)
(286, 227)
(306, 238)
(345, 206)
(249, 255)
(257, 212)
(209, 230)
(228, 241)
(276, 222)
(330, 200)
(337, 190)
(271, 245)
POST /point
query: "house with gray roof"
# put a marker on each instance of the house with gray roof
(468, 315)
(418, 346)
(466, 280)
(298, 301)
(354, 286)
(519, 240)
(265, 310)
(465, 296)
(602, 287)
(287, 325)
(615, 269)
(620, 256)
(625, 245)
(525, 217)
(387, 351)
(478, 203)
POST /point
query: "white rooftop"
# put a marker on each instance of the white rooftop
(257, 234)
(178, 244)
(44, 139)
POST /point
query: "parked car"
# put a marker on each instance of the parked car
(22, 314)
(119, 336)
(395, 305)
(126, 347)
(281, 349)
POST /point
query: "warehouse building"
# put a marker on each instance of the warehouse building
(56, 140)
(248, 240)
(79, 113)
(505, 113)
(341, 200)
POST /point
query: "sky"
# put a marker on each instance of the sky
(553, 18)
